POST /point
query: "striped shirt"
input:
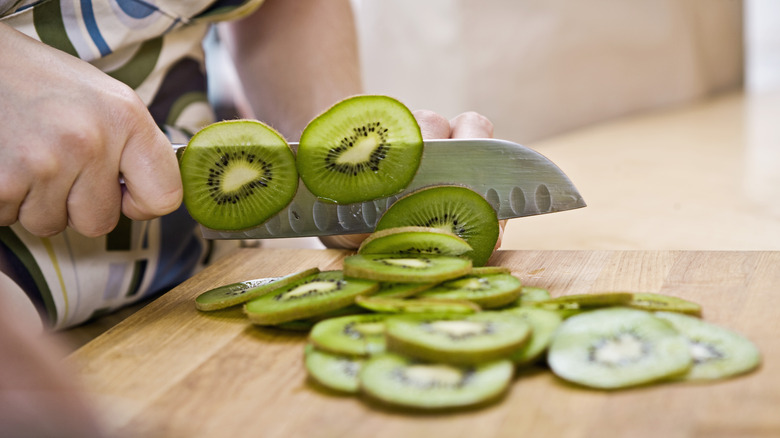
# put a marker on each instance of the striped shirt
(155, 47)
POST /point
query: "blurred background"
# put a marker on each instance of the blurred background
(662, 112)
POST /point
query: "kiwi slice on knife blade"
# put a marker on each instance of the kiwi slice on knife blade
(455, 209)
(717, 352)
(308, 297)
(462, 339)
(405, 268)
(236, 174)
(399, 381)
(414, 240)
(363, 148)
(617, 347)
(241, 292)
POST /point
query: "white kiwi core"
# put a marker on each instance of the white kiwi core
(361, 151)
(238, 176)
(441, 374)
(315, 286)
(408, 262)
(458, 329)
(625, 348)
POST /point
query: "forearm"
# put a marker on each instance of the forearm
(295, 59)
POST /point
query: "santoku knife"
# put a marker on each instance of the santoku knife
(516, 180)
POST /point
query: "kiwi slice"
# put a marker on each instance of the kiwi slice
(586, 301)
(306, 324)
(463, 339)
(660, 302)
(416, 305)
(334, 371)
(236, 174)
(363, 148)
(308, 297)
(717, 351)
(241, 292)
(487, 270)
(397, 380)
(406, 268)
(414, 240)
(455, 209)
(617, 347)
(543, 325)
(401, 290)
(487, 291)
(530, 295)
(355, 335)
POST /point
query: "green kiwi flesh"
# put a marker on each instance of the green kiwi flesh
(405, 268)
(399, 381)
(241, 292)
(363, 148)
(659, 302)
(463, 339)
(530, 295)
(401, 290)
(586, 301)
(355, 335)
(334, 371)
(308, 297)
(236, 174)
(487, 270)
(543, 324)
(455, 209)
(717, 352)
(487, 291)
(414, 240)
(617, 347)
(416, 305)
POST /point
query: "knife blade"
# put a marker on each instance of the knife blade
(516, 180)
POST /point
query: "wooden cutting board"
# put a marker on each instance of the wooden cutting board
(171, 371)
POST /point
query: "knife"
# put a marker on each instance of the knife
(516, 180)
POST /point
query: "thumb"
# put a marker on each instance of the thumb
(151, 173)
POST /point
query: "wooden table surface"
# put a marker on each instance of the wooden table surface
(171, 371)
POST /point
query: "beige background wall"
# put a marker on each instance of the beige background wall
(540, 67)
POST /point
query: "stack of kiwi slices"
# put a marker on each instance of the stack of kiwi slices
(237, 174)
(414, 325)
(415, 319)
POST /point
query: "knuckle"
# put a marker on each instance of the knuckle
(429, 117)
(42, 164)
(43, 228)
(476, 119)
(96, 228)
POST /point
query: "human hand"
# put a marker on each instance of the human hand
(433, 125)
(67, 133)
